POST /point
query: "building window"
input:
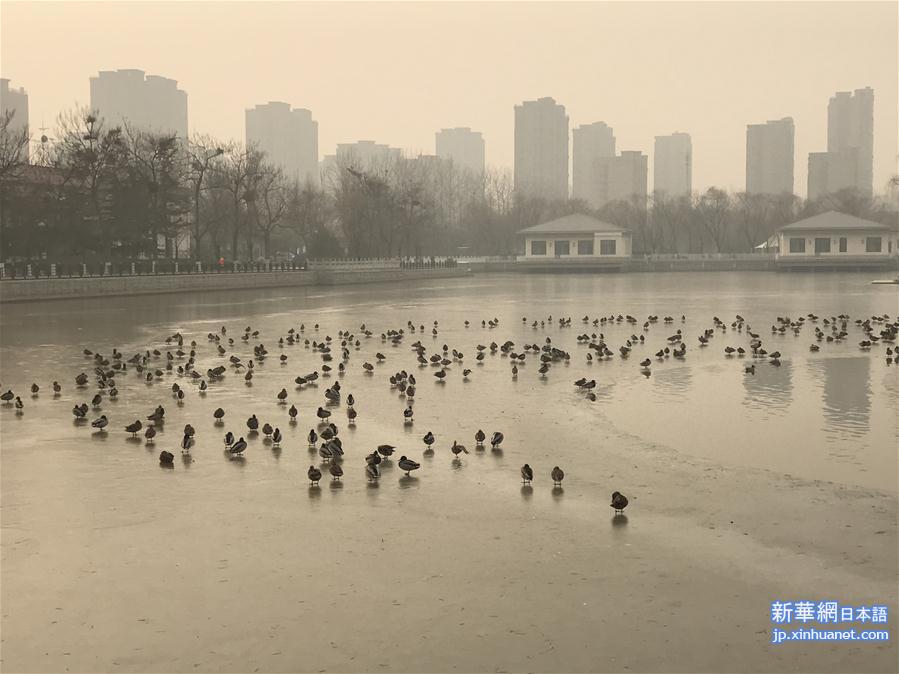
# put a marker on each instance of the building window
(873, 244)
(822, 245)
(538, 247)
(607, 247)
(585, 247)
(563, 248)
(797, 245)
(843, 244)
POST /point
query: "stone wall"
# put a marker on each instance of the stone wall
(66, 288)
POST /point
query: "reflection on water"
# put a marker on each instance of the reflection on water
(674, 382)
(828, 415)
(771, 387)
(846, 393)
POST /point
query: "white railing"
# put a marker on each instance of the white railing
(708, 256)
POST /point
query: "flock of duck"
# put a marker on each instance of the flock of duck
(180, 357)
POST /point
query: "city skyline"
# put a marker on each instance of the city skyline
(712, 108)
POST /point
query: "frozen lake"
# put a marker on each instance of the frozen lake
(744, 488)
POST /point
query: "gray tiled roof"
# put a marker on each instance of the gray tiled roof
(835, 221)
(578, 223)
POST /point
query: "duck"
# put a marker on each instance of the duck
(314, 475)
(100, 422)
(325, 451)
(479, 438)
(292, 413)
(253, 423)
(312, 438)
(386, 450)
(267, 429)
(372, 472)
(335, 470)
(149, 434)
(282, 395)
(219, 414)
(496, 440)
(229, 439)
(133, 428)
(428, 439)
(526, 474)
(619, 502)
(276, 437)
(408, 465)
(557, 476)
(238, 447)
(166, 458)
(322, 413)
(407, 414)
(457, 449)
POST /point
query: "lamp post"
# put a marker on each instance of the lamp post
(201, 168)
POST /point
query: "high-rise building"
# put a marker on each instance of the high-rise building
(15, 102)
(147, 103)
(463, 146)
(850, 126)
(591, 143)
(541, 149)
(672, 165)
(769, 157)
(627, 177)
(849, 160)
(367, 154)
(829, 172)
(288, 137)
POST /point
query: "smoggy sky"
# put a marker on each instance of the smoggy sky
(397, 72)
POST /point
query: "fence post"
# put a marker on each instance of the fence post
(132, 269)
(176, 267)
(199, 267)
(153, 267)
(53, 270)
(106, 268)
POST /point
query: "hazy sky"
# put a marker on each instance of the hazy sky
(397, 72)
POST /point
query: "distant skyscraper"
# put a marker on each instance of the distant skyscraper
(288, 137)
(672, 169)
(830, 172)
(591, 143)
(769, 157)
(151, 103)
(15, 102)
(541, 149)
(463, 146)
(367, 154)
(849, 160)
(850, 126)
(627, 175)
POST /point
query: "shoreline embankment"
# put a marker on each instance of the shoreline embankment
(39, 289)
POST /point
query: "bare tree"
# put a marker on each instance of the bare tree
(236, 175)
(267, 203)
(202, 151)
(13, 145)
(713, 210)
